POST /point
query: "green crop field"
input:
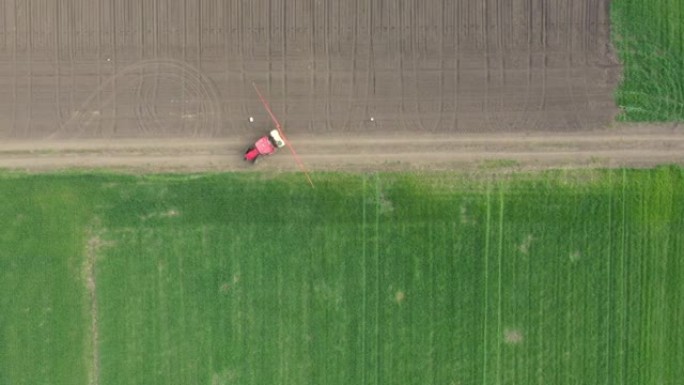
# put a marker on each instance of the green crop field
(43, 317)
(551, 278)
(649, 35)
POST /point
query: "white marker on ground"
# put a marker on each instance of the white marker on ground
(251, 119)
(372, 119)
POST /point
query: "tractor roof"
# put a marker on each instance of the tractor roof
(276, 137)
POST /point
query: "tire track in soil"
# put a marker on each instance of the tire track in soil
(30, 68)
(402, 52)
(457, 59)
(15, 43)
(485, 37)
(328, 59)
(194, 84)
(312, 58)
(283, 48)
(370, 81)
(442, 70)
(269, 47)
(415, 53)
(530, 58)
(152, 110)
(116, 66)
(501, 49)
(544, 16)
(574, 109)
(352, 91)
(243, 54)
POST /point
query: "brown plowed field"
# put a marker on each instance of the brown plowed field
(121, 71)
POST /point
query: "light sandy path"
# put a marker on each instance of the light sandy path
(637, 146)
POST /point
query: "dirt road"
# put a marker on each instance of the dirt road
(636, 146)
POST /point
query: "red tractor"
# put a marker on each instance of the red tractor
(266, 145)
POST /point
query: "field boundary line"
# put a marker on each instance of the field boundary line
(623, 285)
(377, 277)
(609, 298)
(486, 285)
(93, 246)
(364, 279)
(499, 333)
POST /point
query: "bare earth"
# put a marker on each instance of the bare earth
(357, 84)
(633, 146)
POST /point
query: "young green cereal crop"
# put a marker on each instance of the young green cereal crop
(556, 277)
